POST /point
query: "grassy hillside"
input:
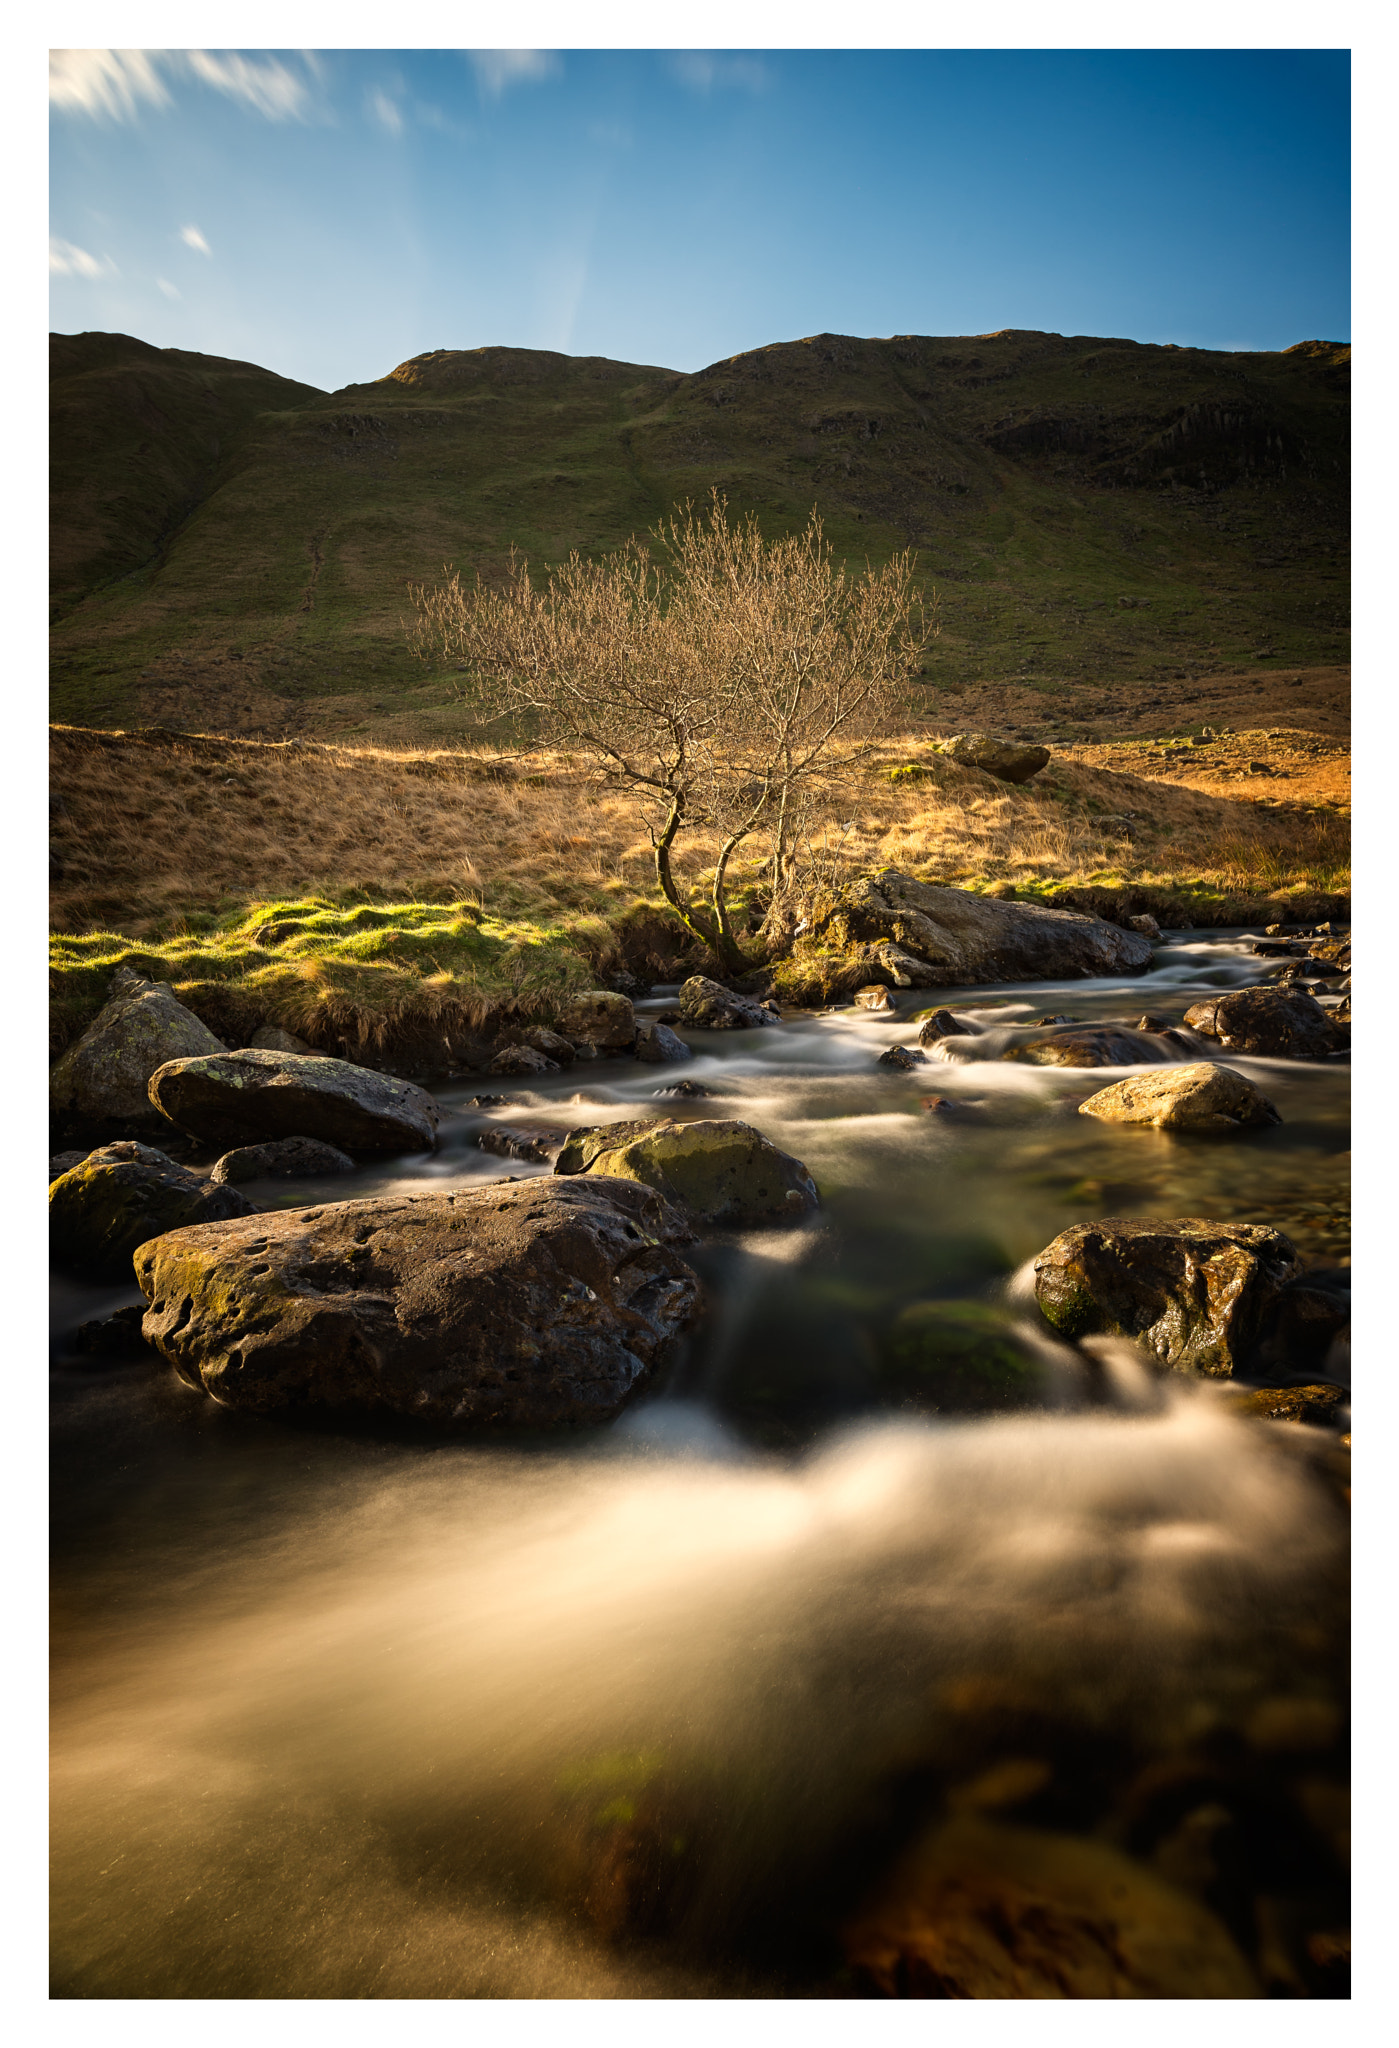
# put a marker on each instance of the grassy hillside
(237, 553)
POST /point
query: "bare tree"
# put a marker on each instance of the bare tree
(712, 677)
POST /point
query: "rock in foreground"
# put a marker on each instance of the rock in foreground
(118, 1198)
(1198, 1295)
(721, 1170)
(1272, 1023)
(1200, 1097)
(1004, 759)
(239, 1098)
(533, 1303)
(105, 1076)
(981, 1910)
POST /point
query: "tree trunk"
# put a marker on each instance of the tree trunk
(690, 916)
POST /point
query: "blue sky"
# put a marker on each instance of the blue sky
(330, 215)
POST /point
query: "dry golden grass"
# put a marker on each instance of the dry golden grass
(150, 834)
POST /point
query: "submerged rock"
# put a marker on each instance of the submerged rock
(722, 1170)
(686, 1088)
(1085, 1045)
(599, 1017)
(116, 1339)
(121, 1196)
(106, 1075)
(247, 1097)
(707, 1005)
(535, 1303)
(505, 1143)
(281, 1159)
(1275, 1023)
(959, 1356)
(979, 1909)
(1196, 1294)
(942, 1024)
(1007, 760)
(966, 938)
(658, 1045)
(1320, 1405)
(903, 1057)
(1200, 1097)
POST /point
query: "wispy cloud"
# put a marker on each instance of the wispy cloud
(385, 111)
(705, 72)
(111, 83)
(192, 239)
(498, 69)
(171, 291)
(66, 259)
(115, 84)
(267, 87)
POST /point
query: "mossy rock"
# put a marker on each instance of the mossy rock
(959, 1357)
(122, 1196)
(720, 1169)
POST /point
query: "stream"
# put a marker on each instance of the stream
(651, 1711)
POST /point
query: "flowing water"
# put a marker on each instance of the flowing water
(649, 1711)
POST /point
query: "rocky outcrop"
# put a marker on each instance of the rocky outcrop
(658, 1045)
(1097, 1045)
(719, 1169)
(533, 1303)
(1197, 1295)
(1005, 759)
(1199, 1097)
(599, 1017)
(281, 1159)
(238, 1098)
(959, 1357)
(120, 1197)
(104, 1077)
(1273, 1023)
(979, 1909)
(965, 938)
(707, 1005)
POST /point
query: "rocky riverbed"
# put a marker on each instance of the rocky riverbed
(938, 1589)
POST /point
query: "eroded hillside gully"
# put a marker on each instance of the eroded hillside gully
(805, 1676)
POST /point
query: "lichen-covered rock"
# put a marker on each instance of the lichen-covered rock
(1093, 1045)
(1197, 1295)
(722, 1170)
(106, 1075)
(599, 1017)
(959, 1357)
(533, 1303)
(1007, 760)
(964, 938)
(658, 1045)
(522, 1059)
(707, 1005)
(978, 1909)
(1198, 1097)
(119, 1197)
(1273, 1023)
(238, 1098)
(281, 1159)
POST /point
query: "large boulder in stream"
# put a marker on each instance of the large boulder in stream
(707, 1005)
(1098, 1045)
(1272, 1023)
(1198, 1295)
(718, 1169)
(120, 1196)
(239, 1098)
(104, 1078)
(965, 938)
(533, 1303)
(1198, 1097)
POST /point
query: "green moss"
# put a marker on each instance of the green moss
(959, 1355)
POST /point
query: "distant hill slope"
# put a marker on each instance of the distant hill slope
(137, 435)
(1085, 507)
